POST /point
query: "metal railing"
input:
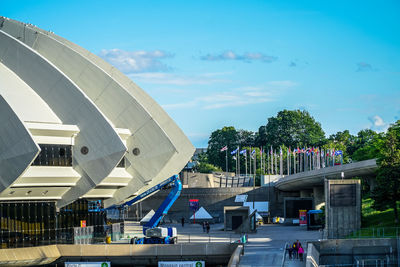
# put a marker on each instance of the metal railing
(376, 232)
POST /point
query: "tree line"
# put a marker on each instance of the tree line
(298, 129)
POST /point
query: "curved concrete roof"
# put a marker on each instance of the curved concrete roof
(310, 179)
(164, 149)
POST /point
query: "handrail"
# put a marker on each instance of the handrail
(284, 254)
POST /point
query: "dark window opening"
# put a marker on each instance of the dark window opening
(121, 164)
(54, 155)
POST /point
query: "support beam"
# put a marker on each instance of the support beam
(319, 197)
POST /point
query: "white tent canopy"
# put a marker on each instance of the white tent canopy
(148, 216)
(201, 214)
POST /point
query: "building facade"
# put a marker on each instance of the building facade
(74, 132)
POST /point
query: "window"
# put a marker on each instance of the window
(54, 155)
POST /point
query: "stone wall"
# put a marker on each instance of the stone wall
(212, 199)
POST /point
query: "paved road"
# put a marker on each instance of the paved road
(264, 248)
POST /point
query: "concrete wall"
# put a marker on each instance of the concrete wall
(118, 254)
(212, 199)
(346, 251)
(344, 219)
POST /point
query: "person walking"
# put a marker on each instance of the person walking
(294, 246)
(289, 248)
(208, 227)
(183, 222)
(301, 252)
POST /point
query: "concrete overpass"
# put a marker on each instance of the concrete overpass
(310, 179)
(310, 185)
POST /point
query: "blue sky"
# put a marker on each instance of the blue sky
(220, 63)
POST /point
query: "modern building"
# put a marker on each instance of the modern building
(76, 135)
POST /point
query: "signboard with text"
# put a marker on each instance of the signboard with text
(193, 204)
(181, 264)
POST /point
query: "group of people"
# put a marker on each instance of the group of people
(296, 251)
(206, 225)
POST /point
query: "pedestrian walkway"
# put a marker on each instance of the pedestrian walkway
(266, 247)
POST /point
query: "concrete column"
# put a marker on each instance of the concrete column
(319, 197)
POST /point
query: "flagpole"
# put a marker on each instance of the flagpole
(226, 163)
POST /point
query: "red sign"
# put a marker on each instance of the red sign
(83, 223)
(303, 217)
(193, 200)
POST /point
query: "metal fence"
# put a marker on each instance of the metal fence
(376, 232)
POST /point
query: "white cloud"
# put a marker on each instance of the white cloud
(378, 124)
(175, 79)
(136, 61)
(234, 98)
(246, 57)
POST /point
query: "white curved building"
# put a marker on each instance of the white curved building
(74, 127)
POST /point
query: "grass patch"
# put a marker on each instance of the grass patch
(376, 218)
(375, 223)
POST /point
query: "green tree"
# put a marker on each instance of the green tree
(246, 138)
(294, 128)
(343, 141)
(369, 145)
(227, 136)
(387, 190)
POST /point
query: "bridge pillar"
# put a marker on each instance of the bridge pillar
(319, 197)
(343, 207)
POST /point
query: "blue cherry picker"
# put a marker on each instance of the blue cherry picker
(154, 234)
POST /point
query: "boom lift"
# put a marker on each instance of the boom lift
(154, 234)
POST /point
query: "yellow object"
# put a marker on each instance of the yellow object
(108, 239)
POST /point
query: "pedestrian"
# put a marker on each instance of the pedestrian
(208, 227)
(301, 252)
(298, 244)
(183, 222)
(204, 227)
(290, 251)
(294, 246)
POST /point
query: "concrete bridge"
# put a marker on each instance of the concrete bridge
(310, 185)
(310, 179)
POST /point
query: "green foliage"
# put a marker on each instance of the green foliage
(368, 145)
(387, 190)
(227, 136)
(207, 168)
(292, 128)
(376, 218)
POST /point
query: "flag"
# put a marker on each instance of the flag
(253, 152)
(280, 152)
(242, 151)
(234, 151)
(338, 152)
(224, 148)
(271, 150)
(234, 158)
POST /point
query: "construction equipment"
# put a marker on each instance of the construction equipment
(153, 233)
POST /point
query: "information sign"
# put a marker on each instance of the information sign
(181, 264)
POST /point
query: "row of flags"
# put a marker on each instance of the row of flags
(308, 151)
(297, 159)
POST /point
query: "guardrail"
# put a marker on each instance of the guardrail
(376, 232)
